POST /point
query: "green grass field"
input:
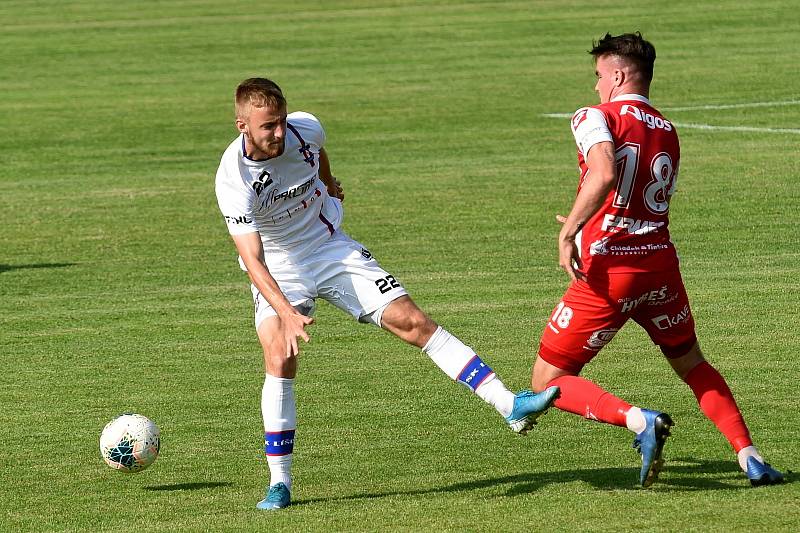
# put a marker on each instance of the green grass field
(119, 289)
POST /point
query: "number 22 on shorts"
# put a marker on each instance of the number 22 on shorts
(386, 284)
(561, 317)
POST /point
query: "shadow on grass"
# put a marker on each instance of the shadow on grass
(8, 268)
(190, 486)
(679, 474)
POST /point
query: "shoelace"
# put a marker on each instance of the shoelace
(274, 493)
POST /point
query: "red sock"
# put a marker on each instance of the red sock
(717, 403)
(582, 397)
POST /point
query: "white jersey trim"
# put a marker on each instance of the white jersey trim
(631, 96)
(589, 127)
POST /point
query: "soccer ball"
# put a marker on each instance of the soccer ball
(130, 442)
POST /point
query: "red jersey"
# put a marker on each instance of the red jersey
(630, 232)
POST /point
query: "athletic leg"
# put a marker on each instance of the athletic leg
(350, 278)
(581, 325)
(278, 408)
(669, 322)
(714, 396)
(583, 322)
(404, 319)
(718, 404)
(279, 411)
(585, 398)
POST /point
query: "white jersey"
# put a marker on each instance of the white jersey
(281, 198)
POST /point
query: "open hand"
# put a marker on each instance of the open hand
(293, 326)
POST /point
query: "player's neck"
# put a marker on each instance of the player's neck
(632, 89)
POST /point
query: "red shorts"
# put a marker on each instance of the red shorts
(590, 314)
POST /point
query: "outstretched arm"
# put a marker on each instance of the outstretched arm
(598, 181)
(292, 322)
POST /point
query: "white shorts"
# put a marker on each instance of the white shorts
(341, 271)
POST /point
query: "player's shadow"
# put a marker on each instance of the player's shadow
(680, 474)
(190, 486)
(8, 268)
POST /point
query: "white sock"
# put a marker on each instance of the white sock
(461, 364)
(635, 420)
(493, 392)
(745, 453)
(279, 412)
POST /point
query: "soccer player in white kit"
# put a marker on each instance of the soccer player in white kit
(283, 209)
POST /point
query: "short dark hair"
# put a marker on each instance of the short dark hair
(257, 92)
(629, 46)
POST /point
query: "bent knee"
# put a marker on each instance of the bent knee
(544, 373)
(404, 319)
(538, 384)
(416, 322)
(279, 364)
(684, 364)
(277, 361)
(403, 315)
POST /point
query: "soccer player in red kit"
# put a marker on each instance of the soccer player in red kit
(616, 248)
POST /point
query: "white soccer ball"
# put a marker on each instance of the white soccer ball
(130, 442)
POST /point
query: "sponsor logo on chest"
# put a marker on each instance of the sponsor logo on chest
(262, 182)
(293, 191)
(268, 191)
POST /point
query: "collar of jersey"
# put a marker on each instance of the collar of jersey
(631, 96)
(249, 159)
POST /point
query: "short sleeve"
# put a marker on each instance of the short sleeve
(309, 126)
(589, 127)
(235, 202)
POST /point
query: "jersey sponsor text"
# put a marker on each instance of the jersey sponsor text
(630, 232)
(242, 219)
(614, 223)
(656, 295)
(294, 191)
(652, 121)
(600, 338)
(666, 321)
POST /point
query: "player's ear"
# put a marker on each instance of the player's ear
(241, 125)
(619, 77)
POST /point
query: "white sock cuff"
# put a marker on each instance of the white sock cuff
(635, 421)
(269, 378)
(747, 452)
(435, 341)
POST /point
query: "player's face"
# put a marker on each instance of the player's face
(265, 131)
(607, 71)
